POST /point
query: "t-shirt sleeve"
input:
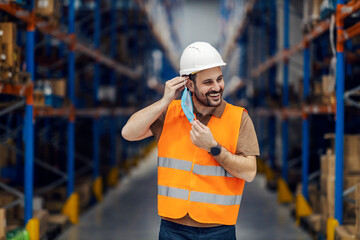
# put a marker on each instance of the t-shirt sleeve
(247, 144)
(157, 126)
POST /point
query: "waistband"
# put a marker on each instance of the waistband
(170, 224)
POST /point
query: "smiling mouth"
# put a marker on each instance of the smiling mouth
(214, 96)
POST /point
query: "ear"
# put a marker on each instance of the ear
(190, 85)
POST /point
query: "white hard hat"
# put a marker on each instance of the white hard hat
(199, 56)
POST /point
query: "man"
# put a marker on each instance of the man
(203, 164)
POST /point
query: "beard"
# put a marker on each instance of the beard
(207, 101)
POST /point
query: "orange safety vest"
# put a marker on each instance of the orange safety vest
(190, 180)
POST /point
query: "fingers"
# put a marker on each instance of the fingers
(176, 84)
(176, 81)
(192, 136)
(201, 124)
(198, 126)
(173, 87)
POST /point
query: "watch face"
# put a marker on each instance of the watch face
(215, 151)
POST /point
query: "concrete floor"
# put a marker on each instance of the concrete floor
(129, 212)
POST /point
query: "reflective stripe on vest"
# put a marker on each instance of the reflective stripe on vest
(174, 163)
(199, 196)
(198, 169)
(173, 192)
(215, 198)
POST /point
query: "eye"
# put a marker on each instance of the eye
(219, 79)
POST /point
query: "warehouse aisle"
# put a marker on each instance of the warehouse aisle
(129, 212)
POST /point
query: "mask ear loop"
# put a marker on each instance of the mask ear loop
(187, 89)
(193, 108)
(188, 110)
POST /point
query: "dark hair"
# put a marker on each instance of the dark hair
(192, 77)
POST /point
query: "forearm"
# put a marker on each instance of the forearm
(138, 126)
(243, 167)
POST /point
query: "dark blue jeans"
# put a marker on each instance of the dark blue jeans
(174, 231)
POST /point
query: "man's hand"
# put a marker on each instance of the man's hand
(201, 136)
(173, 87)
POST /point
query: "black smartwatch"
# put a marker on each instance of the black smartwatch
(214, 151)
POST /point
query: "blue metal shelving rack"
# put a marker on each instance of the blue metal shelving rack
(285, 92)
(114, 173)
(71, 94)
(305, 125)
(29, 126)
(339, 127)
(96, 124)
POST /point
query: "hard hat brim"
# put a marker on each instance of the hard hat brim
(198, 69)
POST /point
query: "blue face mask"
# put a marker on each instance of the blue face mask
(187, 105)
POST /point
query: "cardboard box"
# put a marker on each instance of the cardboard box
(12, 214)
(44, 7)
(2, 223)
(323, 185)
(351, 151)
(329, 100)
(49, 9)
(330, 188)
(345, 232)
(352, 145)
(317, 88)
(8, 33)
(314, 222)
(17, 57)
(42, 216)
(357, 210)
(316, 10)
(7, 54)
(324, 213)
(328, 85)
(314, 196)
(10, 57)
(60, 220)
(59, 87)
(39, 99)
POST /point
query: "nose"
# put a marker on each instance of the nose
(216, 87)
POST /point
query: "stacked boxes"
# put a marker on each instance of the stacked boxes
(327, 187)
(351, 177)
(9, 52)
(13, 217)
(311, 16)
(328, 89)
(59, 87)
(324, 90)
(49, 9)
(50, 92)
(2, 224)
(42, 216)
(45, 7)
(346, 232)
